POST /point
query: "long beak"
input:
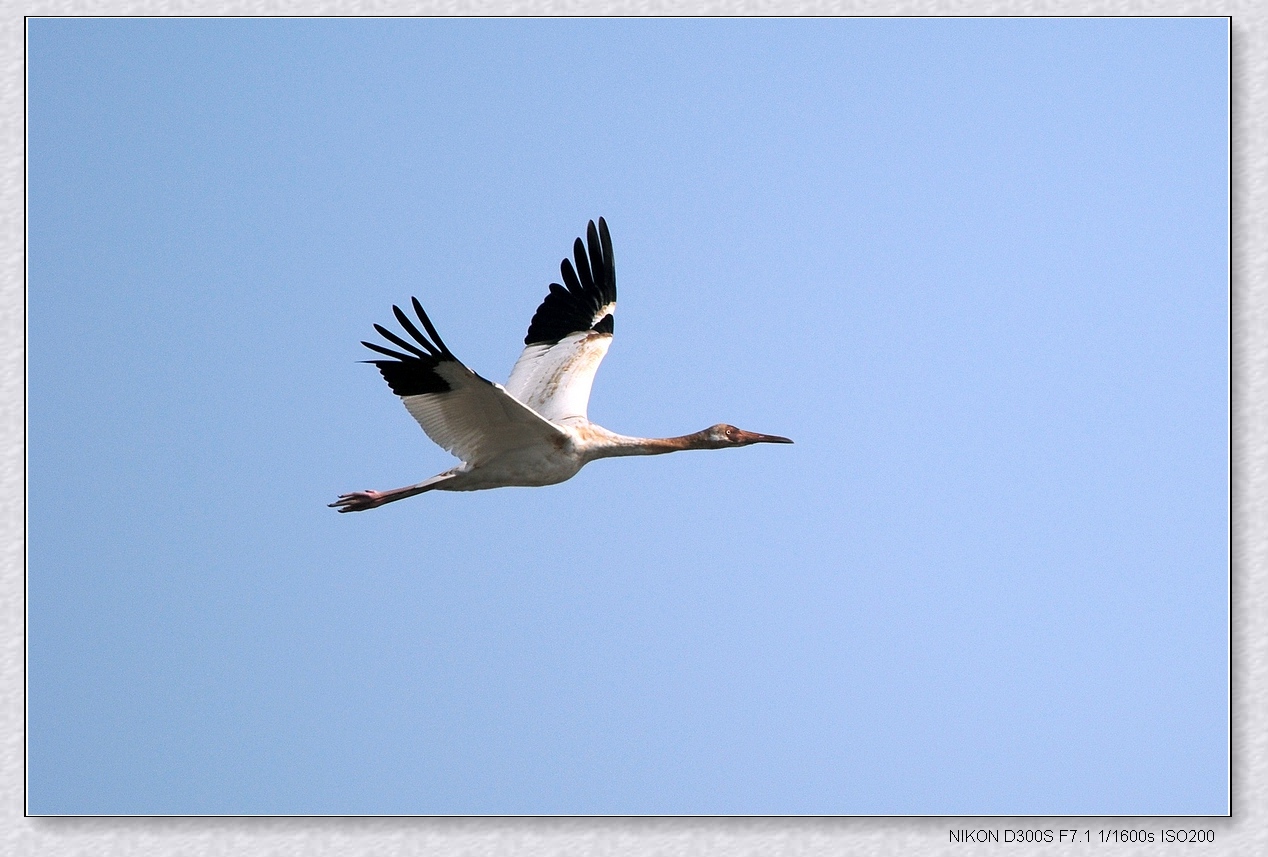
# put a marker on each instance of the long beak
(753, 437)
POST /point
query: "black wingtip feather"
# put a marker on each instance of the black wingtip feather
(588, 286)
(583, 265)
(393, 338)
(605, 241)
(571, 280)
(430, 328)
(382, 350)
(414, 373)
(596, 251)
(412, 330)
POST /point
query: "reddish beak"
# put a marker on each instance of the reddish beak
(754, 437)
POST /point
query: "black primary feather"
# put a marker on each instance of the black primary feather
(412, 374)
(591, 285)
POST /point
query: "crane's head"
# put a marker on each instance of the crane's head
(723, 435)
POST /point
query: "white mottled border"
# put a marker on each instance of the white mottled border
(1245, 833)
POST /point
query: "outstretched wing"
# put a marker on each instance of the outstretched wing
(470, 417)
(569, 334)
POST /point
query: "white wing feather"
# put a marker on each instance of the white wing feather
(570, 333)
(555, 380)
(477, 420)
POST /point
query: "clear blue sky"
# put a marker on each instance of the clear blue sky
(976, 268)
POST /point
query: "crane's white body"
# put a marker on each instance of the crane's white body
(534, 431)
(538, 465)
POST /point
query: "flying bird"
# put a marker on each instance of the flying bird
(534, 430)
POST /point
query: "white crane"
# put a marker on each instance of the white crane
(534, 430)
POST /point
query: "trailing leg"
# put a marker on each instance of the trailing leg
(360, 501)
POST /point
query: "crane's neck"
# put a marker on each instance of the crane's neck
(601, 443)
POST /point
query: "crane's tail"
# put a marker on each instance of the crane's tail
(359, 501)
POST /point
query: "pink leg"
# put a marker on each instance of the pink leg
(359, 501)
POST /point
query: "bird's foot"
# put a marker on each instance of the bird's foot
(358, 501)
